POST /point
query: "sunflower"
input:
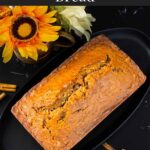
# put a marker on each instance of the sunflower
(28, 30)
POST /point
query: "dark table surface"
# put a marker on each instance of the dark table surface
(135, 134)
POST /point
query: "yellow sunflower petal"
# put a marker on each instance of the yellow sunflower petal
(48, 31)
(28, 8)
(32, 52)
(4, 36)
(43, 47)
(55, 28)
(22, 51)
(17, 10)
(1, 43)
(40, 10)
(49, 28)
(7, 48)
(50, 14)
(5, 23)
(7, 52)
(7, 58)
(45, 37)
(48, 20)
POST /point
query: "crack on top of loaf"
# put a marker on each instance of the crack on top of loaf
(74, 89)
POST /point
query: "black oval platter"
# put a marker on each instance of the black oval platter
(135, 43)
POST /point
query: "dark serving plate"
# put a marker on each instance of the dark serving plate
(135, 43)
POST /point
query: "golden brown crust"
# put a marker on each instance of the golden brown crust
(66, 105)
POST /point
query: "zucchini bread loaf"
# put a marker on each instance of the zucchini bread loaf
(66, 105)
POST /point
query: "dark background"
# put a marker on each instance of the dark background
(135, 134)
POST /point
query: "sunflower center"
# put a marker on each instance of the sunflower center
(24, 28)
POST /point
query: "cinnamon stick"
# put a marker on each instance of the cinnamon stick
(108, 147)
(4, 85)
(2, 95)
(7, 89)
